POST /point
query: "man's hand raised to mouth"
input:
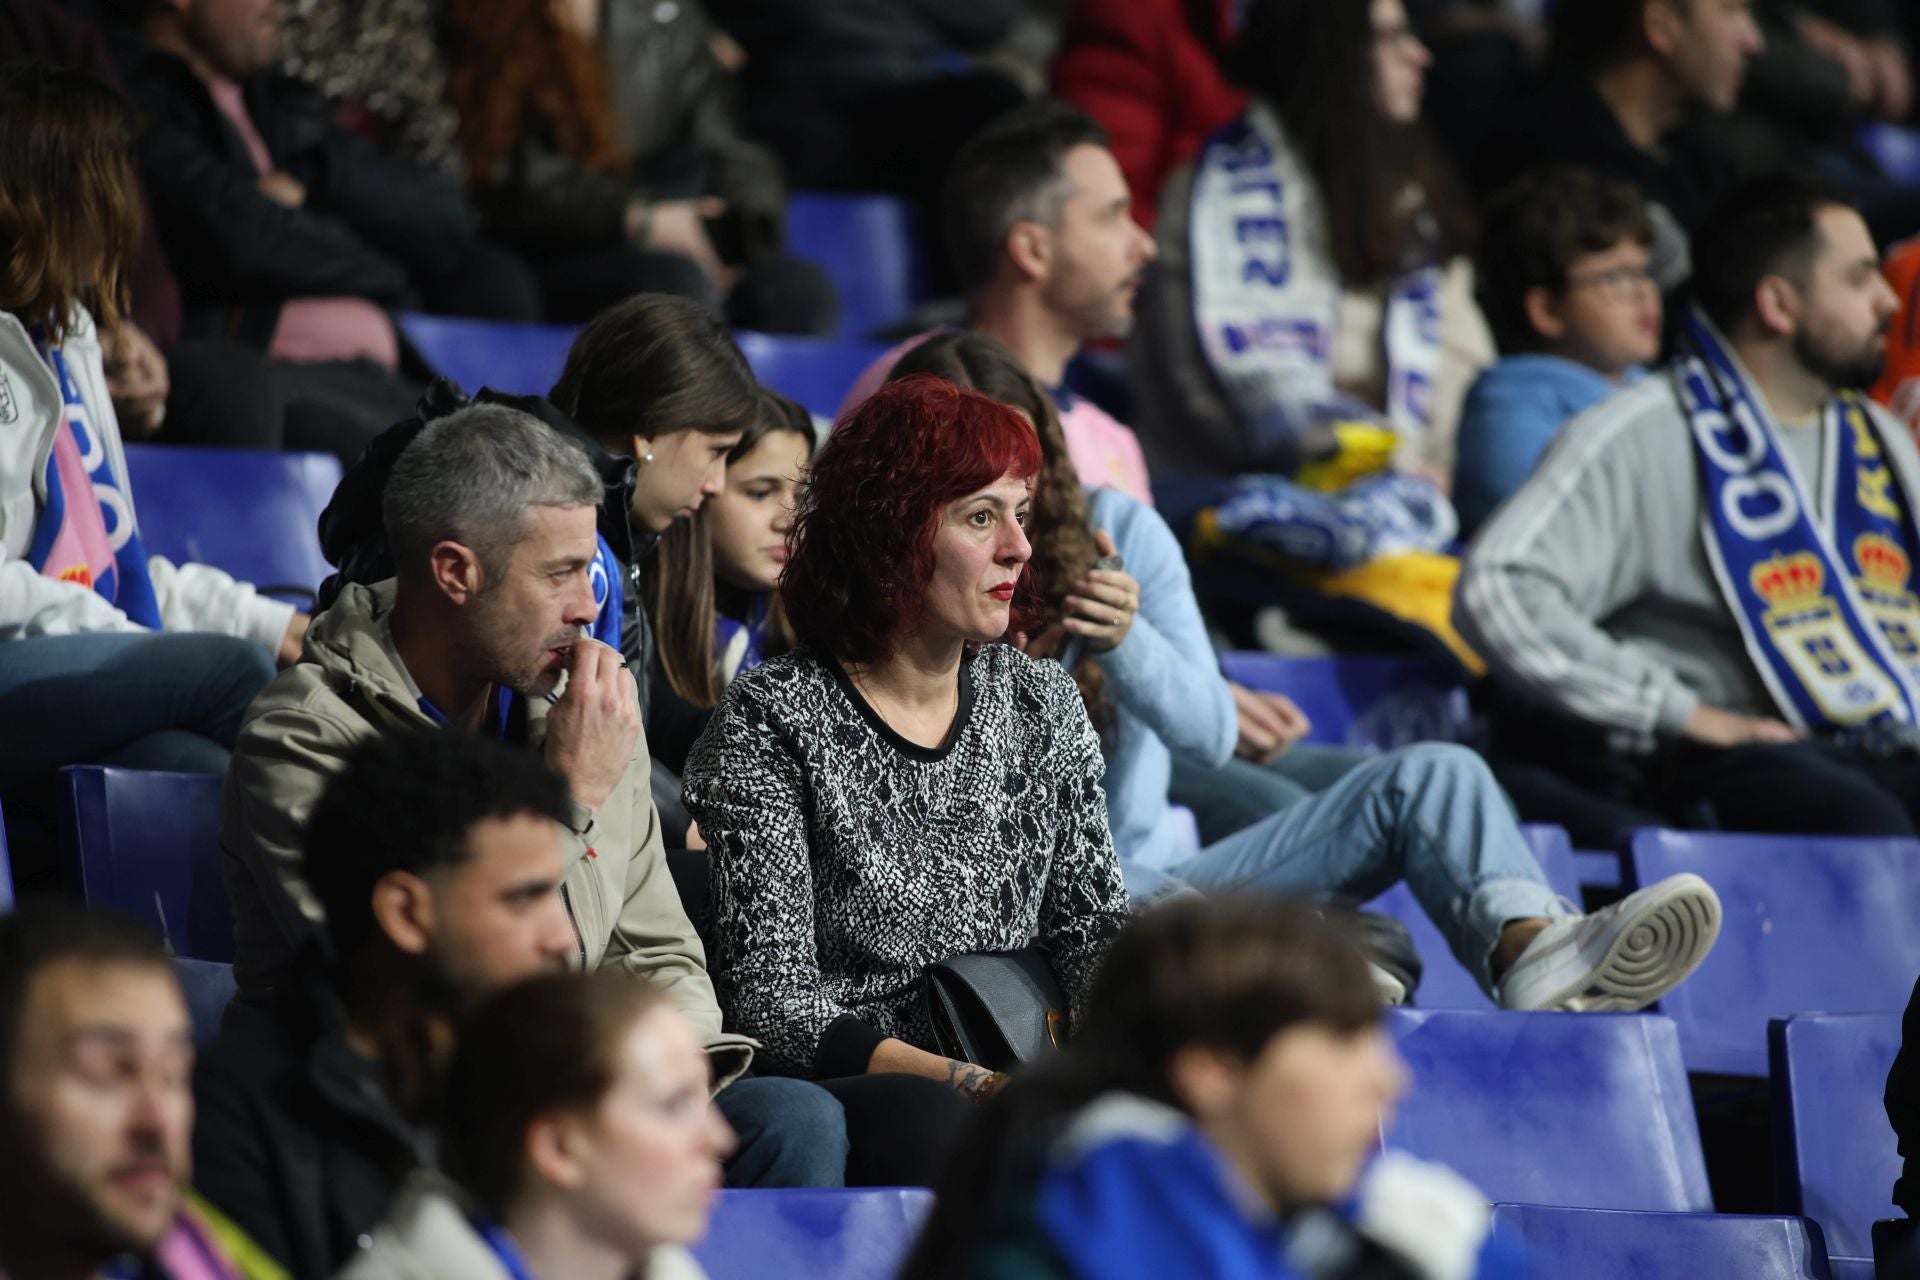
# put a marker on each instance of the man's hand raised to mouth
(593, 725)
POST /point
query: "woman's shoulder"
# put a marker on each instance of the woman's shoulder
(1023, 677)
(795, 674)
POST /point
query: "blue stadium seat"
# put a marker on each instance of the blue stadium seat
(1811, 925)
(149, 844)
(519, 359)
(1835, 1156)
(1366, 700)
(814, 1235)
(1894, 148)
(1553, 1108)
(1445, 982)
(253, 513)
(816, 372)
(1607, 1244)
(6, 871)
(870, 245)
(208, 987)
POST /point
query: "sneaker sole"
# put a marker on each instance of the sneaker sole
(1660, 947)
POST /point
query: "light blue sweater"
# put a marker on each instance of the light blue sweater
(1513, 411)
(1164, 683)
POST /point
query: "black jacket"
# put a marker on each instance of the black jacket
(295, 1138)
(371, 221)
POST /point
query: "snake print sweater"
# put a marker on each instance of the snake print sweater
(846, 859)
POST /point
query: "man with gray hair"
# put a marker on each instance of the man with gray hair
(490, 515)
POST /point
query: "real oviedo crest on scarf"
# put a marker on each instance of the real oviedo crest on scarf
(1827, 609)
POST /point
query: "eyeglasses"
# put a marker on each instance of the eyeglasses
(1620, 282)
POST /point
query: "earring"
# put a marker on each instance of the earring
(646, 457)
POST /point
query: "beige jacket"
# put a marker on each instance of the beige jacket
(428, 1236)
(351, 685)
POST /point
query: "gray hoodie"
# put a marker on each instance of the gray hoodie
(1591, 590)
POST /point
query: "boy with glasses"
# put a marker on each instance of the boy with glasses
(1564, 282)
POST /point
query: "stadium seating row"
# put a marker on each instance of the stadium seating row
(1502, 1097)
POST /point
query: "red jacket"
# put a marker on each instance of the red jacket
(1142, 71)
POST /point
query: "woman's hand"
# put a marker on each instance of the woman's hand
(1103, 603)
(977, 1084)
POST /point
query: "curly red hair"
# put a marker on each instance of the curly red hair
(861, 550)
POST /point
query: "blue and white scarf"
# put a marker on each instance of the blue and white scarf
(1266, 292)
(740, 644)
(1828, 613)
(86, 532)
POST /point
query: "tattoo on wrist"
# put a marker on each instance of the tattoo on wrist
(976, 1083)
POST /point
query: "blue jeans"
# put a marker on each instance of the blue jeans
(144, 700)
(1428, 814)
(792, 1133)
(1241, 792)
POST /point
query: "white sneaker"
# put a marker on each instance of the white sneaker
(1620, 958)
(1390, 989)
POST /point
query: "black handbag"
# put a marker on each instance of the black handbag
(996, 1009)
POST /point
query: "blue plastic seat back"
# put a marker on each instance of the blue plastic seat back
(208, 987)
(253, 513)
(851, 1234)
(519, 359)
(148, 844)
(1553, 1108)
(872, 247)
(1365, 700)
(1444, 982)
(1894, 148)
(816, 372)
(1810, 925)
(6, 870)
(1608, 1244)
(1835, 1156)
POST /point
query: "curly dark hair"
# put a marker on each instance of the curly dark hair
(1536, 227)
(517, 72)
(405, 802)
(862, 542)
(1058, 523)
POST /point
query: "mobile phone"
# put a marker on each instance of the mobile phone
(1076, 646)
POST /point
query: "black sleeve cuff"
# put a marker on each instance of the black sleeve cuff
(845, 1048)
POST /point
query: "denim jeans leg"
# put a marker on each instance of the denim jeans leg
(94, 698)
(1427, 814)
(791, 1133)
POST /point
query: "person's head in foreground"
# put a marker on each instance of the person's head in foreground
(70, 212)
(715, 575)
(910, 531)
(660, 380)
(1237, 1041)
(1787, 271)
(437, 859)
(1565, 270)
(96, 1113)
(578, 1121)
(491, 517)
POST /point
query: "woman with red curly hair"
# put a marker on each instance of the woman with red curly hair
(903, 787)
